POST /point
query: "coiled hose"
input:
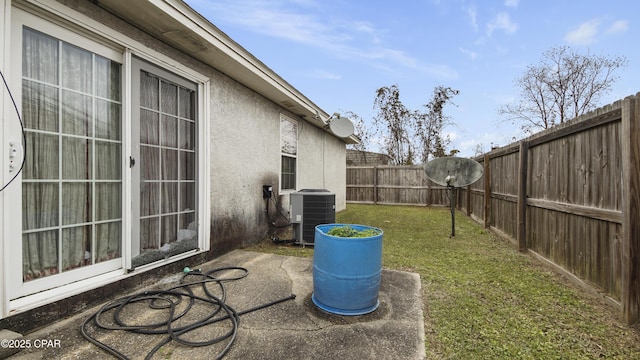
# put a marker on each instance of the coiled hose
(169, 299)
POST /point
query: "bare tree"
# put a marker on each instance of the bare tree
(479, 150)
(363, 132)
(562, 86)
(430, 124)
(412, 136)
(395, 118)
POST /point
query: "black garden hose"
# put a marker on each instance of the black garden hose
(169, 299)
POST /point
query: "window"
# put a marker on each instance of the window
(289, 152)
(72, 180)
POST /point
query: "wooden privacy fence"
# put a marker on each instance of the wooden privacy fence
(569, 195)
(388, 184)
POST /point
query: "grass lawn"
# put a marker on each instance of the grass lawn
(482, 298)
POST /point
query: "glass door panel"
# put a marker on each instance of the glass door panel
(165, 168)
(71, 207)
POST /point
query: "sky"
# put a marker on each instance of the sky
(339, 52)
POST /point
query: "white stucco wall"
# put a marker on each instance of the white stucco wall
(245, 154)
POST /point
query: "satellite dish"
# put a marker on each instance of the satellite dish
(453, 171)
(341, 127)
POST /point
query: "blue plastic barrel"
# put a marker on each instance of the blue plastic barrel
(346, 271)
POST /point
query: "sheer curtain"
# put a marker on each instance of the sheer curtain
(167, 169)
(71, 207)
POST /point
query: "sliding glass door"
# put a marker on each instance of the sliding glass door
(72, 178)
(163, 164)
(110, 180)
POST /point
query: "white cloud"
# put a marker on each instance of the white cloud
(324, 74)
(619, 26)
(344, 38)
(473, 17)
(502, 21)
(584, 34)
(511, 3)
(472, 54)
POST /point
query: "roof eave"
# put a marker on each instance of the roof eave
(176, 23)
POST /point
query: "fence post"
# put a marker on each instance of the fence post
(630, 133)
(468, 200)
(375, 184)
(522, 196)
(487, 191)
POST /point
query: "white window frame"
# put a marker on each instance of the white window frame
(104, 41)
(284, 118)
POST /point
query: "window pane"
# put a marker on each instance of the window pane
(41, 157)
(169, 132)
(187, 101)
(107, 79)
(187, 196)
(149, 199)
(149, 127)
(169, 164)
(76, 203)
(187, 229)
(108, 201)
(76, 162)
(288, 137)
(40, 57)
(76, 114)
(108, 120)
(169, 197)
(187, 165)
(187, 135)
(76, 246)
(109, 160)
(288, 173)
(39, 205)
(169, 101)
(39, 106)
(169, 229)
(108, 241)
(149, 85)
(149, 237)
(39, 254)
(77, 69)
(150, 163)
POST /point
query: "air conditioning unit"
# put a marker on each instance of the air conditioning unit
(311, 207)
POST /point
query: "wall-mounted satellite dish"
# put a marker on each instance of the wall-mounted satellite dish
(341, 126)
(453, 172)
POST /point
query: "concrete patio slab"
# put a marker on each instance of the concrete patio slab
(291, 329)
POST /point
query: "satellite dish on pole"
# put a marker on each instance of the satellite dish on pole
(453, 172)
(341, 126)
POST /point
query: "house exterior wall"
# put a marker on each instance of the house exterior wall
(244, 149)
(245, 155)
